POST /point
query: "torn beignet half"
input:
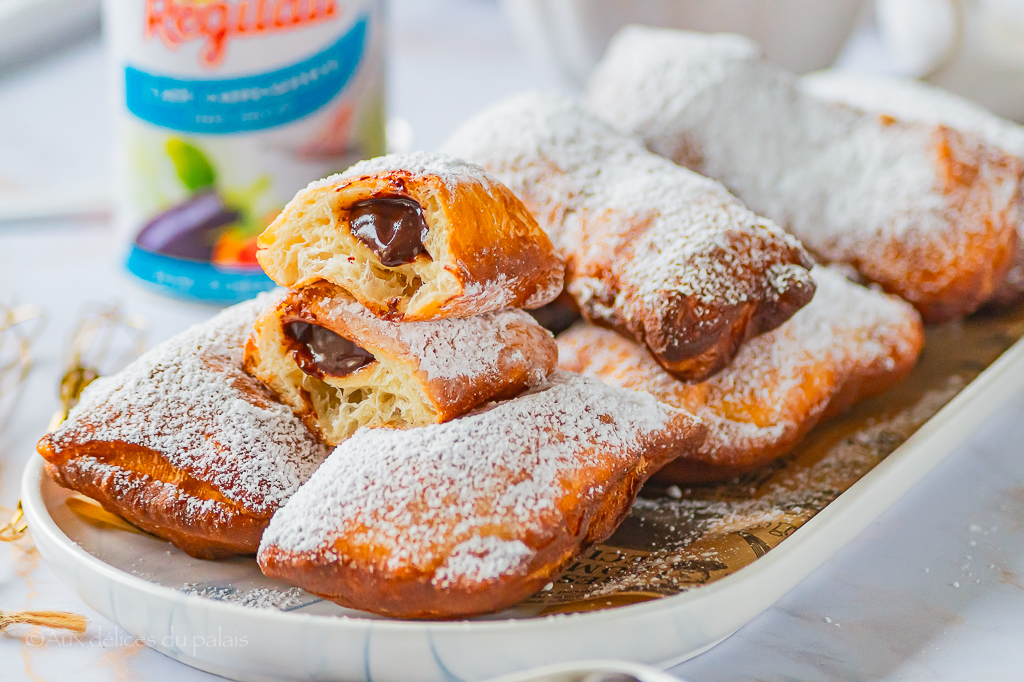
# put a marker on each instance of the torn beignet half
(652, 250)
(845, 345)
(340, 367)
(414, 237)
(928, 212)
(186, 445)
(472, 516)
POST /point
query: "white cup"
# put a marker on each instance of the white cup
(972, 47)
(571, 35)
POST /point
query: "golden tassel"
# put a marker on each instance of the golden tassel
(55, 620)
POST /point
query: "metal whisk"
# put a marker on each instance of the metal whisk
(104, 341)
(19, 328)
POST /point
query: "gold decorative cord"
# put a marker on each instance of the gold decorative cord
(104, 340)
(15, 528)
(56, 620)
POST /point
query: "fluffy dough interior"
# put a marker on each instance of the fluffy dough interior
(383, 393)
(320, 243)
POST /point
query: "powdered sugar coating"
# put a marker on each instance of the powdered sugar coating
(652, 249)
(473, 499)
(449, 169)
(563, 161)
(479, 559)
(189, 400)
(913, 100)
(448, 348)
(713, 103)
(851, 186)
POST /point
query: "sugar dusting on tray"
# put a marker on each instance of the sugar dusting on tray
(258, 598)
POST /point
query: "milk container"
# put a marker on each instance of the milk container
(225, 109)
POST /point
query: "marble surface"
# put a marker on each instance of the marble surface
(933, 590)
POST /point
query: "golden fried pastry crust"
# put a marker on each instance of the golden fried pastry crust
(847, 344)
(186, 445)
(414, 237)
(472, 516)
(909, 99)
(339, 367)
(928, 212)
(652, 250)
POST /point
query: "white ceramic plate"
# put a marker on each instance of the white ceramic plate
(144, 585)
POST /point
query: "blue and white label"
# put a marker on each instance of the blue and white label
(267, 100)
(195, 280)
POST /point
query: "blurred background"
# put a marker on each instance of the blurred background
(445, 59)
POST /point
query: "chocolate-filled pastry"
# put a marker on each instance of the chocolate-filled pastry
(186, 445)
(340, 367)
(414, 237)
(928, 212)
(472, 516)
(652, 250)
(847, 344)
(909, 99)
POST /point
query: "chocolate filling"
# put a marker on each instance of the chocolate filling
(556, 316)
(320, 352)
(393, 228)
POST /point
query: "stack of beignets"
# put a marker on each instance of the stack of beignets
(402, 269)
(469, 470)
(927, 211)
(186, 445)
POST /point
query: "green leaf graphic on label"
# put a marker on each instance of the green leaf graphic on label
(193, 168)
(245, 201)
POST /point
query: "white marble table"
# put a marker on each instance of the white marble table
(933, 590)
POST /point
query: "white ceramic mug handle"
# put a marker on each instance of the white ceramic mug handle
(925, 34)
(956, 43)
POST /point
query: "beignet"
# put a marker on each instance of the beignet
(847, 344)
(928, 212)
(186, 445)
(414, 237)
(472, 516)
(340, 367)
(652, 250)
(909, 99)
